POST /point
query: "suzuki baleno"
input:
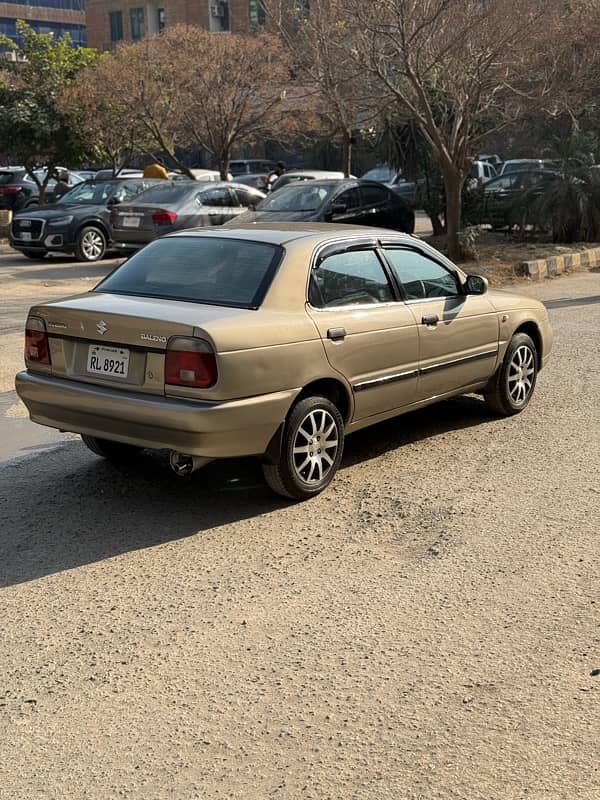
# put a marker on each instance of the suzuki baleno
(275, 342)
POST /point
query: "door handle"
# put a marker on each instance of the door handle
(336, 334)
(430, 320)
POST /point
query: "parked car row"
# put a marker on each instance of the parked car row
(124, 214)
(85, 222)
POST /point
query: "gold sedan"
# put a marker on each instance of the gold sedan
(275, 342)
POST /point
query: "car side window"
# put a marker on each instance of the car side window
(245, 198)
(350, 278)
(505, 182)
(217, 197)
(350, 198)
(421, 278)
(373, 195)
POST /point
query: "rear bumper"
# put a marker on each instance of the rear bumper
(196, 427)
(129, 240)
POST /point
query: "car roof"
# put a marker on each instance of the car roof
(523, 160)
(252, 161)
(323, 172)
(131, 178)
(285, 232)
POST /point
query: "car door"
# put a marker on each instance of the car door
(345, 207)
(458, 333)
(498, 196)
(369, 334)
(376, 206)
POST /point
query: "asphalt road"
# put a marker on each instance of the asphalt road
(426, 628)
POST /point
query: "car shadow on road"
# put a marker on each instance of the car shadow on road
(64, 507)
(455, 414)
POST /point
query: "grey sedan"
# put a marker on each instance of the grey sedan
(176, 206)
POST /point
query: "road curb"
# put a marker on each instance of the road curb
(558, 265)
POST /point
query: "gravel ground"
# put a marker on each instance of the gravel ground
(427, 628)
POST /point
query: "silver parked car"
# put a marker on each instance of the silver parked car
(171, 207)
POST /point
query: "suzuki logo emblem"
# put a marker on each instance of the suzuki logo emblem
(102, 327)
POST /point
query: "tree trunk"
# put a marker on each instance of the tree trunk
(347, 153)
(436, 224)
(224, 159)
(453, 185)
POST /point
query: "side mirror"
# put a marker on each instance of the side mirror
(476, 284)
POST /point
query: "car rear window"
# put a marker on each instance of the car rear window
(6, 177)
(168, 192)
(199, 269)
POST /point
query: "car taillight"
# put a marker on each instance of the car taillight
(190, 362)
(164, 217)
(37, 349)
(10, 189)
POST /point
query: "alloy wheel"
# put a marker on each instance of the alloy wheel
(315, 446)
(521, 373)
(92, 245)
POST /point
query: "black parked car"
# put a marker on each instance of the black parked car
(497, 202)
(18, 190)
(175, 206)
(79, 224)
(347, 201)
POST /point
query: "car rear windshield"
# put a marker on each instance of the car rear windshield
(199, 269)
(7, 177)
(168, 192)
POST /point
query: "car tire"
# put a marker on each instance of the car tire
(90, 245)
(512, 386)
(304, 468)
(115, 452)
(35, 254)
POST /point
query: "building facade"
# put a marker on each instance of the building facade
(45, 16)
(112, 21)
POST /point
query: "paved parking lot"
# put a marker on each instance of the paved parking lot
(426, 628)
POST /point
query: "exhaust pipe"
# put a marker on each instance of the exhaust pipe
(183, 465)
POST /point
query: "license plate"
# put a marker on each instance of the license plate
(131, 222)
(25, 236)
(111, 361)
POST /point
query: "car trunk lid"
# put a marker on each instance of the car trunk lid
(88, 332)
(136, 217)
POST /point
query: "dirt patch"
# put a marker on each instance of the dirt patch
(499, 255)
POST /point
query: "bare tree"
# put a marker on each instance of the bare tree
(317, 37)
(150, 82)
(98, 103)
(233, 89)
(187, 87)
(461, 69)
